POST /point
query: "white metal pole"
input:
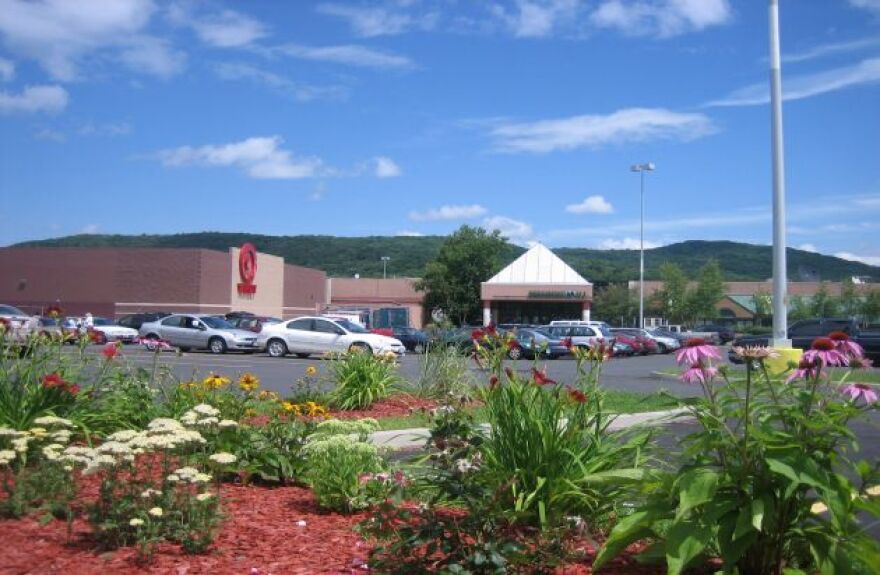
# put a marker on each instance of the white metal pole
(642, 252)
(780, 279)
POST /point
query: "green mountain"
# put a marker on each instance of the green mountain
(346, 256)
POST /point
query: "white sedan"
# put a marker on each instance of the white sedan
(305, 336)
(105, 331)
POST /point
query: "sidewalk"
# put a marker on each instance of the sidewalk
(415, 438)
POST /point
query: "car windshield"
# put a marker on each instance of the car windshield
(543, 332)
(528, 334)
(216, 322)
(9, 310)
(604, 329)
(101, 321)
(351, 326)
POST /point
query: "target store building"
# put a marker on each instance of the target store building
(111, 282)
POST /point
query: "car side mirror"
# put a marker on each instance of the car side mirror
(340, 332)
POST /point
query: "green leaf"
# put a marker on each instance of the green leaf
(696, 487)
(684, 542)
(629, 529)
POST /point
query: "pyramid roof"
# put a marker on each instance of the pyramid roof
(538, 266)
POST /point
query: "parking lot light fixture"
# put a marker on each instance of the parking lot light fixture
(385, 260)
(641, 169)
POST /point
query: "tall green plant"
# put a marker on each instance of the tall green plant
(768, 483)
(361, 379)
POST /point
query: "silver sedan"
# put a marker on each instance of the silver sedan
(199, 332)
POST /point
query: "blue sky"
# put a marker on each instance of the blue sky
(416, 116)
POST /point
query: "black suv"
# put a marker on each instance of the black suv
(136, 320)
(802, 333)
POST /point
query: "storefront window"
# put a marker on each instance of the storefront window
(535, 313)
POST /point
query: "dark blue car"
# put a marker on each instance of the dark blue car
(533, 342)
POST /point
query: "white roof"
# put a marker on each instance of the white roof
(538, 266)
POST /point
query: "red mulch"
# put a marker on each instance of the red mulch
(401, 404)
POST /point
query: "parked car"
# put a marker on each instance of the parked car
(305, 336)
(18, 326)
(581, 335)
(685, 334)
(664, 344)
(802, 333)
(725, 333)
(414, 340)
(254, 323)
(51, 328)
(620, 349)
(600, 326)
(136, 320)
(103, 330)
(189, 331)
(536, 342)
(640, 344)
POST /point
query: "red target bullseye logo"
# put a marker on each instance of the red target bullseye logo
(247, 268)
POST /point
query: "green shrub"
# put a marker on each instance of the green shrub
(336, 466)
(361, 379)
(443, 373)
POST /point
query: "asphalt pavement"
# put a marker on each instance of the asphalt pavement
(636, 374)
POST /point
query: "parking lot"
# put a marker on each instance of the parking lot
(637, 374)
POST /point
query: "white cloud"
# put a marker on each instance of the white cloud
(258, 157)
(48, 99)
(808, 248)
(409, 234)
(663, 18)
(873, 5)
(377, 20)
(808, 85)
(50, 135)
(347, 54)
(386, 168)
(228, 29)
(870, 260)
(514, 230)
(89, 229)
(7, 70)
(449, 213)
(537, 18)
(624, 126)
(59, 33)
(109, 129)
(235, 71)
(830, 49)
(626, 244)
(591, 205)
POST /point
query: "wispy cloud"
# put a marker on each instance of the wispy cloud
(223, 29)
(378, 20)
(594, 131)
(34, 99)
(409, 234)
(865, 259)
(591, 205)
(807, 85)
(808, 248)
(387, 168)
(515, 230)
(873, 5)
(663, 18)
(626, 244)
(831, 49)
(7, 70)
(449, 212)
(347, 54)
(50, 135)
(258, 157)
(537, 18)
(110, 129)
(302, 92)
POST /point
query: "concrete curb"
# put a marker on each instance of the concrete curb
(417, 437)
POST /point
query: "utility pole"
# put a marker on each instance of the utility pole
(780, 278)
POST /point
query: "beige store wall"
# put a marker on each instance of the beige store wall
(269, 297)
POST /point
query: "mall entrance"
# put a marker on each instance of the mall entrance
(535, 312)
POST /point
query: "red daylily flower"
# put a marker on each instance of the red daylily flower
(577, 395)
(541, 378)
(110, 351)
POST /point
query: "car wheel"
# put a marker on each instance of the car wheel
(184, 349)
(515, 353)
(419, 348)
(217, 345)
(359, 348)
(302, 355)
(276, 348)
(661, 348)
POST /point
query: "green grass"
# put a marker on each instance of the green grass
(862, 375)
(615, 401)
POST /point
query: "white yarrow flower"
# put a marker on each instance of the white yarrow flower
(136, 522)
(156, 512)
(223, 458)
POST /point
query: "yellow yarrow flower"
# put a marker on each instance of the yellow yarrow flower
(311, 370)
(248, 382)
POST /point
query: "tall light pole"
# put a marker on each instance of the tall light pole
(641, 169)
(780, 279)
(385, 260)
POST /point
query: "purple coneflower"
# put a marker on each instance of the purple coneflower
(699, 373)
(825, 350)
(696, 350)
(845, 345)
(806, 369)
(863, 390)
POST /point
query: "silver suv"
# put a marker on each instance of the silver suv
(209, 332)
(17, 325)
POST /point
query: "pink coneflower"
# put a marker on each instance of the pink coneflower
(825, 350)
(696, 350)
(860, 363)
(863, 390)
(845, 345)
(806, 369)
(699, 373)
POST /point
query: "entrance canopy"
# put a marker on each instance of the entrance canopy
(536, 288)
